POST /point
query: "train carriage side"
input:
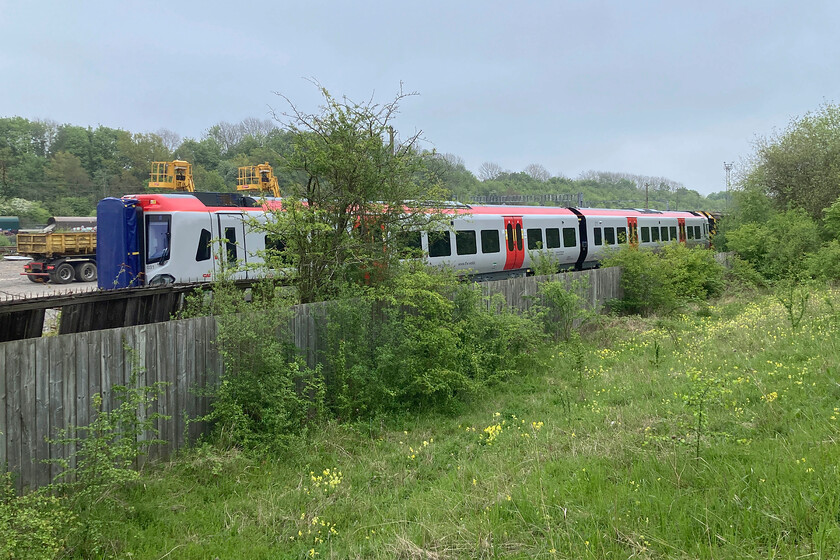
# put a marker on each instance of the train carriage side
(180, 238)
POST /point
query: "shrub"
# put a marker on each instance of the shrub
(423, 340)
(825, 263)
(559, 307)
(267, 393)
(661, 281)
(778, 246)
(644, 282)
(36, 525)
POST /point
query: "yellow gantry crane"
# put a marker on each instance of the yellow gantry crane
(258, 178)
(175, 175)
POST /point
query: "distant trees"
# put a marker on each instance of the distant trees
(800, 167)
(537, 172)
(51, 163)
(489, 171)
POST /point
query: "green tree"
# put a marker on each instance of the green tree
(353, 186)
(801, 166)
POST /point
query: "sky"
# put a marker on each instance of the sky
(659, 88)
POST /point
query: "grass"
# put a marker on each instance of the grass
(712, 435)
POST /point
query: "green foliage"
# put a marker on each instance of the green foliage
(351, 189)
(37, 525)
(824, 264)
(544, 262)
(693, 272)
(559, 308)
(794, 297)
(800, 167)
(30, 213)
(422, 340)
(267, 395)
(661, 281)
(528, 472)
(777, 247)
(107, 449)
(645, 282)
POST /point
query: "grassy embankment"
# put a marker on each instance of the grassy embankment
(595, 455)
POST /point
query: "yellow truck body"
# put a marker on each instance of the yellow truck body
(56, 243)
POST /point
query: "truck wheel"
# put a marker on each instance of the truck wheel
(85, 272)
(63, 274)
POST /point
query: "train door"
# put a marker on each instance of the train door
(513, 242)
(232, 253)
(633, 227)
(681, 222)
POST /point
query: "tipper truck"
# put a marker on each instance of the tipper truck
(62, 252)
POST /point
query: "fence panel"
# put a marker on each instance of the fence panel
(47, 384)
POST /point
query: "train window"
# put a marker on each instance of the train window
(598, 240)
(510, 237)
(621, 233)
(646, 234)
(439, 244)
(203, 251)
(654, 234)
(697, 233)
(569, 237)
(157, 238)
(534, 239)
(664, 233)
(519, 237)
(552, 238)
(690, 231)
(673, 231)
(465, 243)
(490, 241)
(230, 244)
(609, 235)
(408, 244)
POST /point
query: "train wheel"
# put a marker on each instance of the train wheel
(63, 274)
(85, 272)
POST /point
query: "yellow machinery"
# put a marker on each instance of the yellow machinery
(175, 175)
(257, 178)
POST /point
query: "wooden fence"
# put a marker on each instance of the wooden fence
(47, 384)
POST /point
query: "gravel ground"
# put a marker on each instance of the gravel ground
(13, 285)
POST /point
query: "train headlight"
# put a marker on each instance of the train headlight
(162, 280)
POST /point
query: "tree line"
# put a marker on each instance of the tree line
(48, 168)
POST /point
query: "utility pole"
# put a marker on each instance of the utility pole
(647, 204)
(728, 168)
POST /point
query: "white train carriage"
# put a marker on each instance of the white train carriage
(157, 239)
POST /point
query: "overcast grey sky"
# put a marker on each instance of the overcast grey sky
(664, 88)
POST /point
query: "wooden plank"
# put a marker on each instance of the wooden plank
(14, 438)
(4, 406)
(40, 470)
(82, 408)
(183, 332)
(27, 412)
(67, 359)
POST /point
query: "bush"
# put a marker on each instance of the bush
(644, 282)
(267, 394)
(825, 263)
(777, 247)
(558, 307)
(693, 272)
(423, 340)
(36, 525)
(661, 281)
